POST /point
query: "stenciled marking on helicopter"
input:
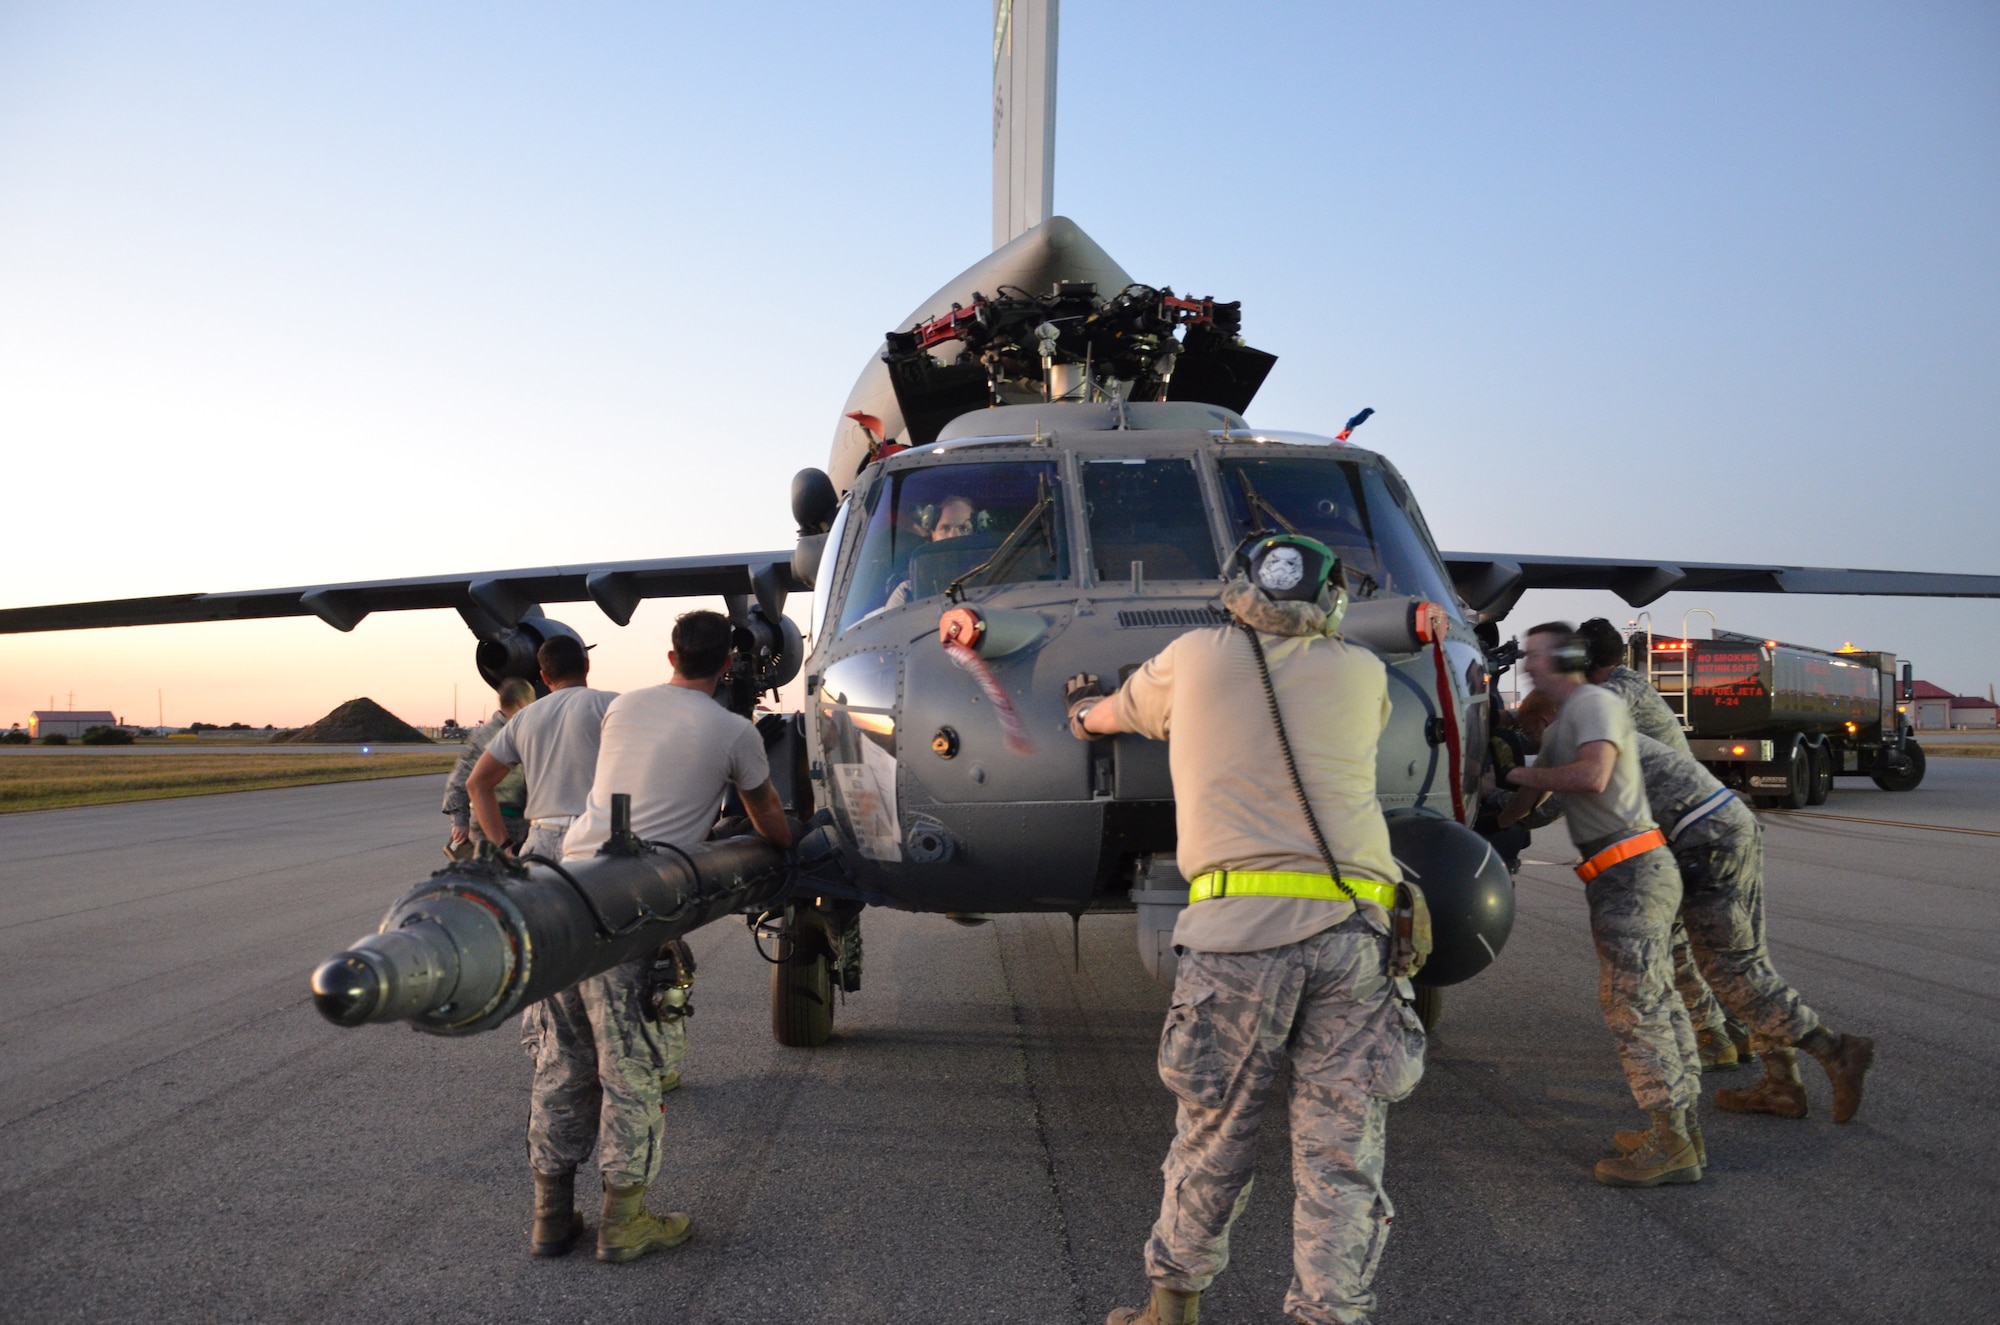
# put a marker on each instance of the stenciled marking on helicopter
(868, 790)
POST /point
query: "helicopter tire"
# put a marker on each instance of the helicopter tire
(1904, 774)
(802, 990)
(1430, 1006)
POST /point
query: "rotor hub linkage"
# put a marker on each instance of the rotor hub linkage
(1144, 343)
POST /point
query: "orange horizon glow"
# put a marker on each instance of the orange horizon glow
(292, 672)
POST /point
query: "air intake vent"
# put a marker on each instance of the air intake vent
(1173, 616)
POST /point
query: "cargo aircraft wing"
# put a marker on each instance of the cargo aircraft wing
(491, 602)
(1491, 583)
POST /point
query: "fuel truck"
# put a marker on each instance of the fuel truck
(1779, 722)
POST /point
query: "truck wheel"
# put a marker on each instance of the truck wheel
(1902, 772)
(1798, 782)
(802, 990)
(1821, 757)
(1430, 1006)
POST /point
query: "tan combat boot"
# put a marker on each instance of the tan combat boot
(1168, 1307)
(629, 1230)
(1739, 1035)
(1667, 1156)
(1779, 1092)
(558, 1223)
(1718, 1051)
(1846, 1059)
(1629, 1139)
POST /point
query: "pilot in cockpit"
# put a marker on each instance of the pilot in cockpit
(955, 517)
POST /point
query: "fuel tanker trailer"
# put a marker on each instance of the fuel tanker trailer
(1781, 721)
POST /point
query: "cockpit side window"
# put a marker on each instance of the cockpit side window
(930, 527)
(829, 568)
(1148, 511)
(1347, 505)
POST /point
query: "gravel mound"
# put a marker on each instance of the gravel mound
(356, 722)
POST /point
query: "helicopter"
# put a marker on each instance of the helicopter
(1045, 469)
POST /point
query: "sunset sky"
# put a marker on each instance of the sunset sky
(294, 294)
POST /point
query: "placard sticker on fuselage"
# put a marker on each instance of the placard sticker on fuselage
(869, 790)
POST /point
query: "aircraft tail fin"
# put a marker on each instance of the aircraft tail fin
(1024, 115)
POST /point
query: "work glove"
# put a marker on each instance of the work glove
(1082, 692)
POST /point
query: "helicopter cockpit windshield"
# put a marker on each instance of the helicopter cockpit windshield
(930, 528)
(1353, 508)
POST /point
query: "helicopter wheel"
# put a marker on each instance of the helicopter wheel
(802, 988)
(1430, 1006)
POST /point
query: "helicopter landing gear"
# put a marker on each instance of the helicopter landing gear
(816, 955)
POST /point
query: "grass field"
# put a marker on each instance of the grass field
(1962, 750)
(47, 784)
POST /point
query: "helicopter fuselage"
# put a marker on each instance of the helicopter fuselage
(1087, 537)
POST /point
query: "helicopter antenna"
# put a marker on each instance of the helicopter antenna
(1024, 115)
(1352, 424)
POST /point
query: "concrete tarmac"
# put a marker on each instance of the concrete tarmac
(182, 1138)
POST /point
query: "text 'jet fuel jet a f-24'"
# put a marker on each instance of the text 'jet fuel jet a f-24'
(1047, 470)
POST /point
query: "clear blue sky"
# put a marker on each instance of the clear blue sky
(332, 292)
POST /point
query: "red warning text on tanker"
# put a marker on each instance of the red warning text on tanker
(1727, 679)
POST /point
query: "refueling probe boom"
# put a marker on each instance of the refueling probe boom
(479, 941)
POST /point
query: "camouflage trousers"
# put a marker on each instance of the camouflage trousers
(1632, 908)
(545, 842)
(600, 1062)
(1722, 877)
(1324, 1007)
(1704, 1012)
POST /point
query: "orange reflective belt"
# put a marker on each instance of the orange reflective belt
(1619, 852)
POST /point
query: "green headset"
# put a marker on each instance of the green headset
(1292, 568)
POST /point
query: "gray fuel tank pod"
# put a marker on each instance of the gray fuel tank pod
(1387, 624)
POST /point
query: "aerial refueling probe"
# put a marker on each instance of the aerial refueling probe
(481, 940)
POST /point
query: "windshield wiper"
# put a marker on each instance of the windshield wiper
(1262, 510)
(1016, 541)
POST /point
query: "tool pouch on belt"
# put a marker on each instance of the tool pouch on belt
(1409, 932)
(670, 982)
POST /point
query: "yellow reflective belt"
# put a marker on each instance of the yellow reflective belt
(1287, 883)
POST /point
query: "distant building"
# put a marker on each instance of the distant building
(67, 722)
(1973, 711)
(1930, 707)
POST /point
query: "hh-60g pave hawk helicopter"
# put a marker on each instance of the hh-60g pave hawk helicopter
(1045, 471)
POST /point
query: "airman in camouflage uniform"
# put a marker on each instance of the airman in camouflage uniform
(512, 793)
(1650, 715)
(1719, 846)
(1716, 1034)
(1278, 969)
(1588, 753)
